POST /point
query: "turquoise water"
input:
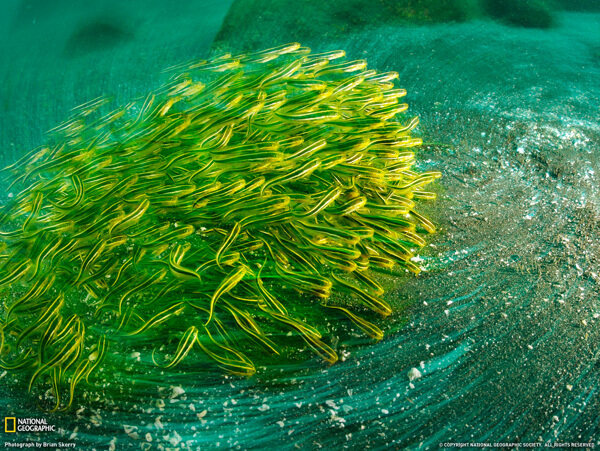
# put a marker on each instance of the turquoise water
(502, 327)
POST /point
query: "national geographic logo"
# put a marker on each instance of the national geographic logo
(12, 424)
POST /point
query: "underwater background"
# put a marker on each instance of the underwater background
(497, 341)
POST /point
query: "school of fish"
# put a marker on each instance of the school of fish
(245, 192)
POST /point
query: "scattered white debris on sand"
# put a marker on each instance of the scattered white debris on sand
(413, 374)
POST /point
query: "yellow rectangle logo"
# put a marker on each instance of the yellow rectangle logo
(10, 424)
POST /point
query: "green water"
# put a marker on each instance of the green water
(502, 326)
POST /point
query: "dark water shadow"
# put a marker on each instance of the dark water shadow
(96, 35)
